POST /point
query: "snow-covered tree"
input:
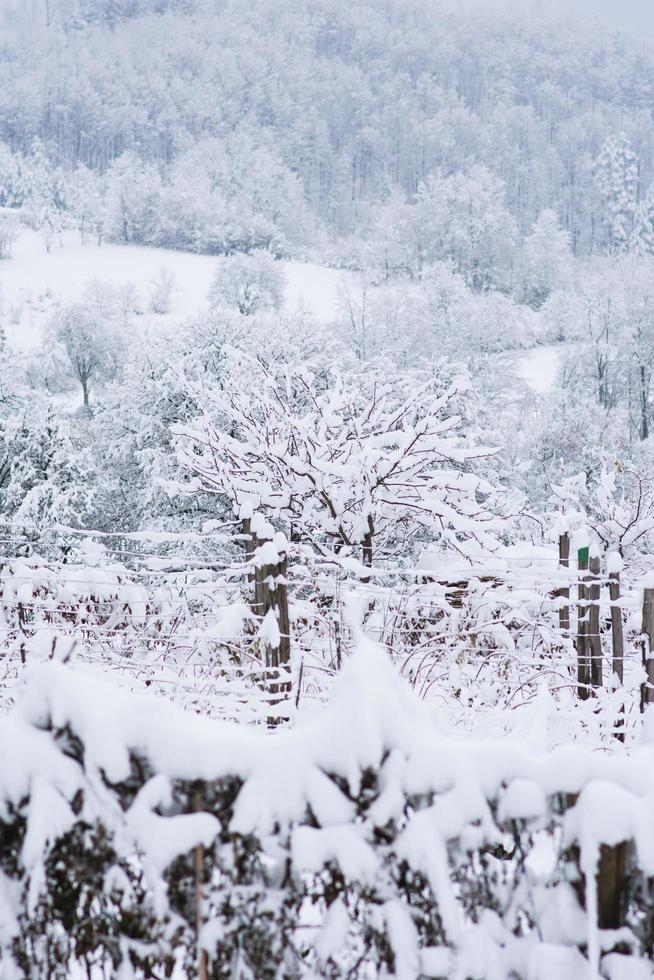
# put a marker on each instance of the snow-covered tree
(642, 236)
(249, 283)
(620, 507)
(544, 262)
(47, 474)
(45, 203)
(132, 197)
(463, 218)
(356, 469)
(8, 235)
(234, 195)
(92, 349)
(616, 173)
(12, 178)
(86, 194)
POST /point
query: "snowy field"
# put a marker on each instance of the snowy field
(33, 280)
(539, 367)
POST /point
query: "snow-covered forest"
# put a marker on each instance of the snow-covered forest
(326, 492)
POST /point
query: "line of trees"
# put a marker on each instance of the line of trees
(348, 122)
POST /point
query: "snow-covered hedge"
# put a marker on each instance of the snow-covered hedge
(363, 842)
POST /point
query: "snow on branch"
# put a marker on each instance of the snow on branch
(357, 470)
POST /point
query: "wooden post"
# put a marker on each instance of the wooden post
(614, 565)
(612, 877)
(267, 576)
(21, 631)
(612, 881)
(647, 688)
(594, 639)
(198, 867)
(271, 595)
(583, 665)
(564, 593)
(617, 635)
(249, 544)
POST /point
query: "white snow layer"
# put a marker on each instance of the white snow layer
(32, 281)
(373, 721)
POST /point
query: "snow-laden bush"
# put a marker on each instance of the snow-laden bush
(163, 287)
(248, 283)
(363, 842)
(360, 469)
(8, 235)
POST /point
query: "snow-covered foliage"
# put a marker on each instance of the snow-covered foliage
(366, 467)
(248, 283)
(365, 840)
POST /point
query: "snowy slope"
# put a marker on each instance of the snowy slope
(540, 366)
(33, 280)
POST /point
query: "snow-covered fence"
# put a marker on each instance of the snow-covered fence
(364, 842)
(210, 622)
(178, 624)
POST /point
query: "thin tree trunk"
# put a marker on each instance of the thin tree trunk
(644, 420)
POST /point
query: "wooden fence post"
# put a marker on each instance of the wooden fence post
(198, 867)
(617, 635)
(612, 880)
(271, 599)
(267, 563)
(249, 544)
(594, 638)
(583, 666)
(564, 593)
(614, 566)
(647, 688)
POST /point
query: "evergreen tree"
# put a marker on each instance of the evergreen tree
(642, 236)
(616, 174)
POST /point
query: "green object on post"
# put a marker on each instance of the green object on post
(582, 555)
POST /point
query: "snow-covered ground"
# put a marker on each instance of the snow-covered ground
(33, 280)
(540, 366)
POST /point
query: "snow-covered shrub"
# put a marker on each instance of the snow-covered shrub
(163, 288)
(134, 837)
(8, 235)
(248, 283)
(360, 468)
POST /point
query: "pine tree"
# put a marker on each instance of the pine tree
(642, 236)
(616, 175)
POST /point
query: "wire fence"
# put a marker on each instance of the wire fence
(184, 625)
